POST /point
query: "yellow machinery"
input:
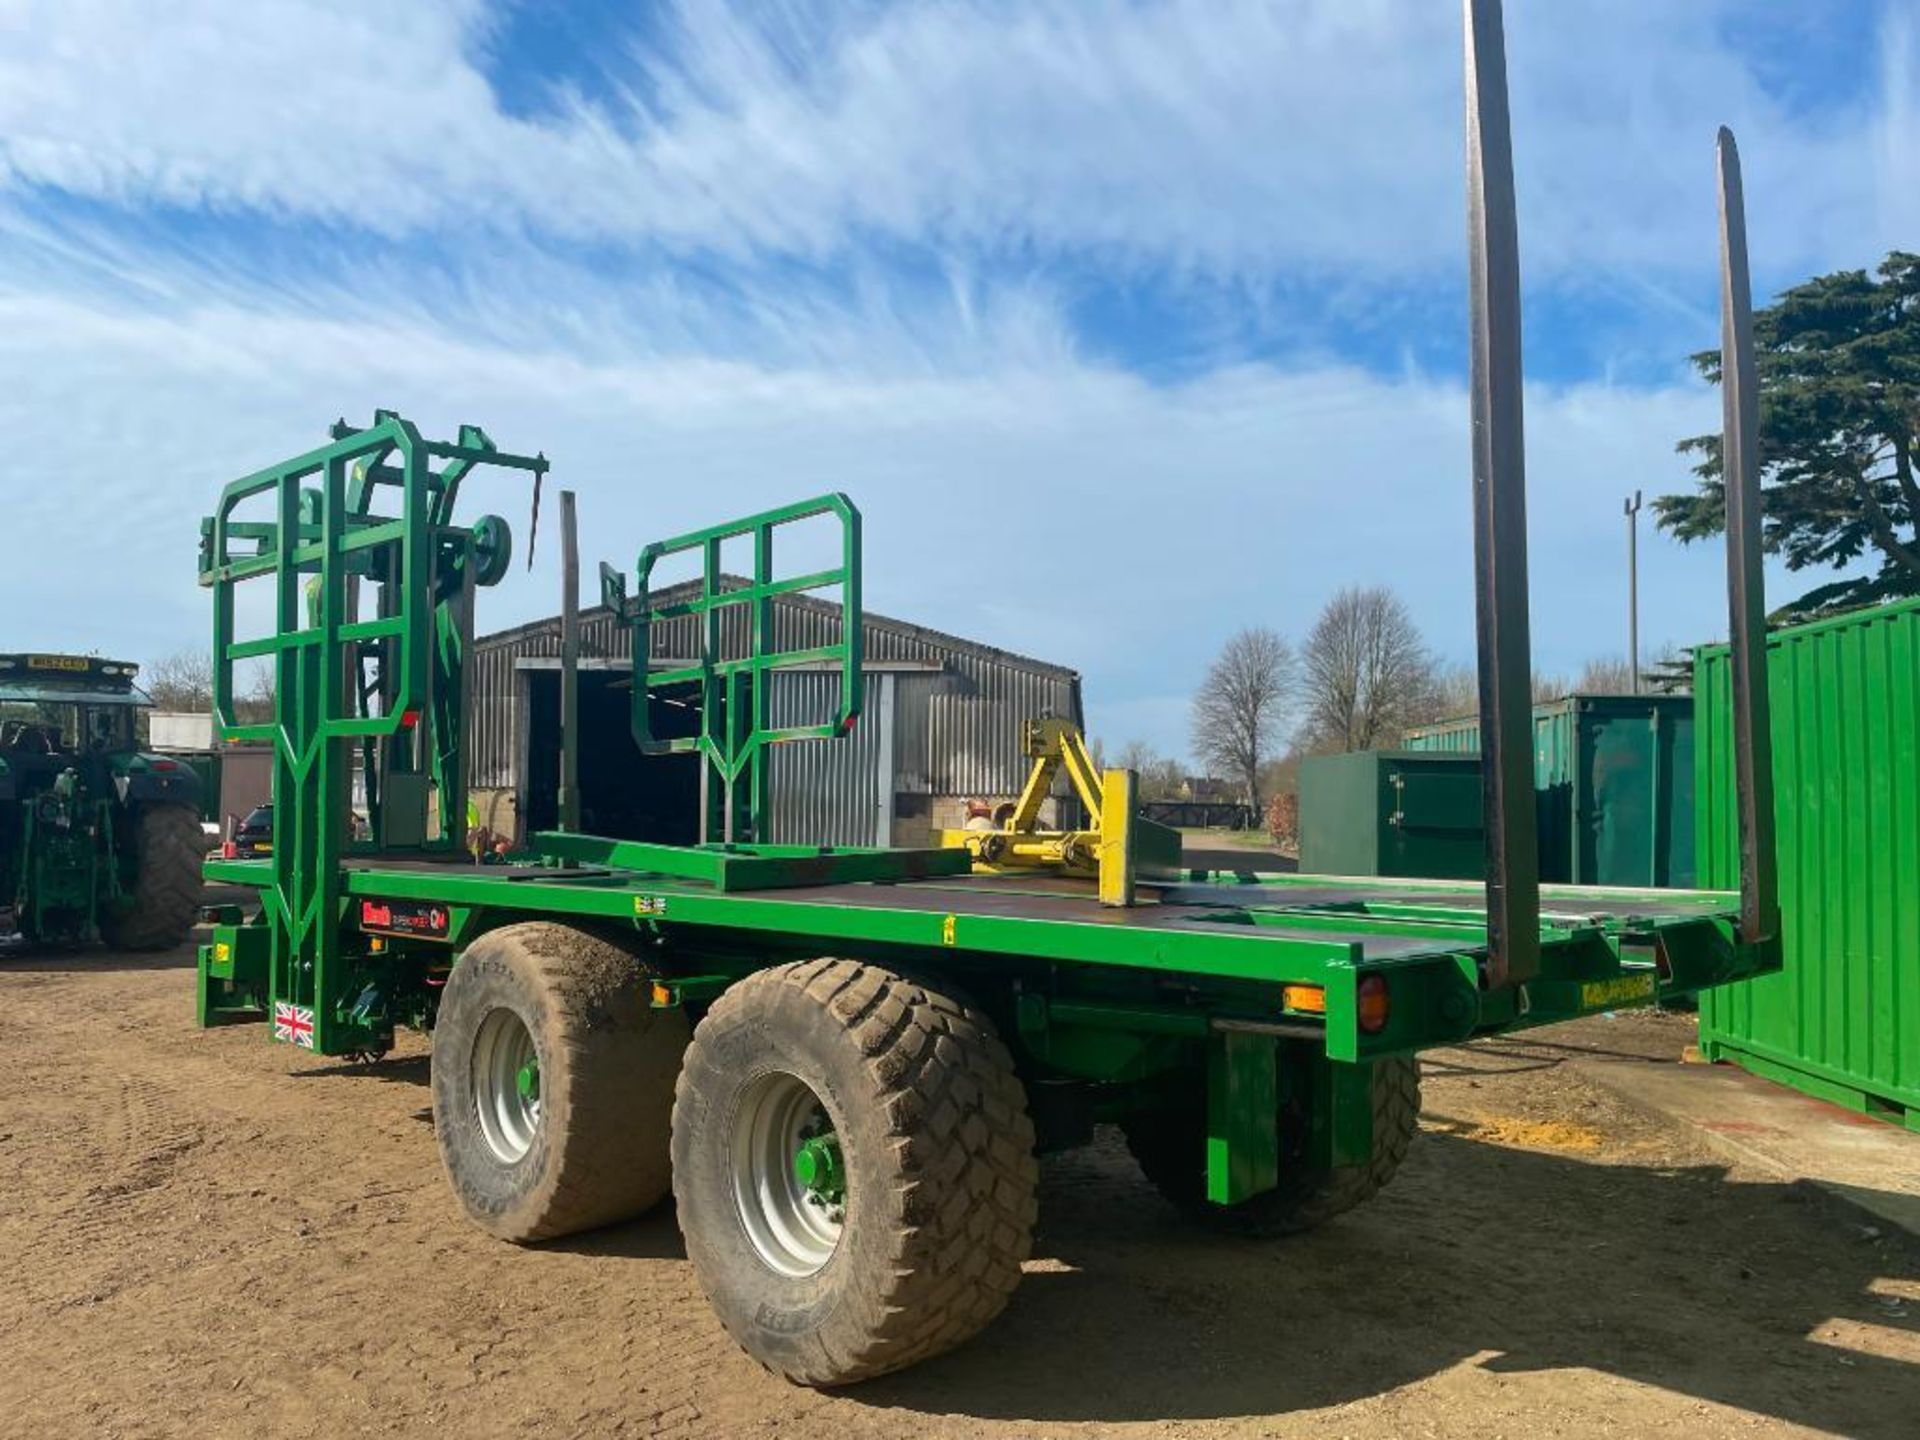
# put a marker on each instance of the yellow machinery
(1118, 846)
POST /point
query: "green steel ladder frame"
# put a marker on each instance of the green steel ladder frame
(483, 561)
(736, 724)
(320, 536)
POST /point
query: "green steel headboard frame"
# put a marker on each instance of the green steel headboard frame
(736, 725)
(324, 538)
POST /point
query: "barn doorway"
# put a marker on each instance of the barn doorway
(624, 795)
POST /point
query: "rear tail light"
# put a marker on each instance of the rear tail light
(1374, 1005)
(1311, 999)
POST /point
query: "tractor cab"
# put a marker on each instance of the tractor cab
(67, 705)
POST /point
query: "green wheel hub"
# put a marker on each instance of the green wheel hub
(818, 1166)
(789, 1178)
(506, 1085)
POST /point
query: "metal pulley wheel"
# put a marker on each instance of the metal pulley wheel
(492, 549)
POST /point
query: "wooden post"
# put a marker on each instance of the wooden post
(569, 665)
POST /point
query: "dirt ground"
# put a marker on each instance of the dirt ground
(203, 1233)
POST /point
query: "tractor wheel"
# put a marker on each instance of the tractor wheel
(168, 846)
(553, 1082)
(1170, 1146)
(853, 1165)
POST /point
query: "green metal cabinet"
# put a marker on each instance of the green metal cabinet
(1614, 777)
(205, 764)
(1841, 1019)
(1392, 812)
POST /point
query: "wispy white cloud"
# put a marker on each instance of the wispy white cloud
(1221, 135)
(1242, 498)
(1897, 128)
(691, 295)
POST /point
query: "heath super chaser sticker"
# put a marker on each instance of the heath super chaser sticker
(415, 919)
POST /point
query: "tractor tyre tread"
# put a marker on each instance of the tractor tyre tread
(607, 1067)
(164, 900)
(941, 1178)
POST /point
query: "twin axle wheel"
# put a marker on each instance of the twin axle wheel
(849, 1150)
(553, 1082)
(853, 1166)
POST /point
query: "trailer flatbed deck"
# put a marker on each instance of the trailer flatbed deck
(1600, 948)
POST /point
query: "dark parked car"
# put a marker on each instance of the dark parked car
(253, 837)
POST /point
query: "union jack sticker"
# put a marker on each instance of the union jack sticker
(293, 1023)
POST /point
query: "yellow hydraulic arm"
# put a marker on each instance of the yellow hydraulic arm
(1116, 847)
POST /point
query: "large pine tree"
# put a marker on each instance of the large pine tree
(1839, 366)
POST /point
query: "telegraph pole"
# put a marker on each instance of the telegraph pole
(1633, 592)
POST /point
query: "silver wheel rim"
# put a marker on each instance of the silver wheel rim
(503, 1054)
(792, 1227)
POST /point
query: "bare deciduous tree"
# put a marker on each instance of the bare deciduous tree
(253, 692)
(1242, 705)
(1605, 675)
(1368, 673)
(1548, 687)
(1456, 694)
(180, 682)
(1160, 775)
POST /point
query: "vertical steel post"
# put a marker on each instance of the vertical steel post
(1633, 592)
(454, 732)
(1500, 512)
(1746, 582)
(569, 664)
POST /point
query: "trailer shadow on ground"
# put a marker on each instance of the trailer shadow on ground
(1506, 1259)
(91, 959)
(416, 1070)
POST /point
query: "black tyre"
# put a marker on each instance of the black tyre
(553, 1082)
(900, 1230)
(1170, 1146)
(164, 899)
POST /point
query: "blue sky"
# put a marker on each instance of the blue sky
(1126, 324)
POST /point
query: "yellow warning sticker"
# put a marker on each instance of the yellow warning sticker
(947, 928)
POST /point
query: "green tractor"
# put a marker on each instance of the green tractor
(97, 839)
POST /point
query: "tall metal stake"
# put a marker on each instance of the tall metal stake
(1632, 508)
(1746, 594)
(1500, 513)
(569, 665)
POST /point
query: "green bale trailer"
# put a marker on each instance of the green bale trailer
(843, 1063)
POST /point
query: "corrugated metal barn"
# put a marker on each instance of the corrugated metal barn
(940, 726)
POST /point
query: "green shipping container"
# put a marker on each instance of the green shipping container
(1614, 778)
(1390, 812)
(1841, 1019)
